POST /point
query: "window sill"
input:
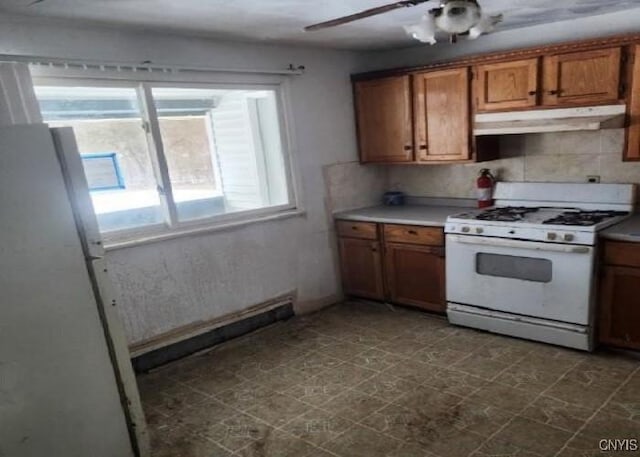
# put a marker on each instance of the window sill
(169, 234)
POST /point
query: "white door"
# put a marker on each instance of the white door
(58, 391)
(545, 280)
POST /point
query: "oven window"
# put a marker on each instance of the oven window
(508, 266)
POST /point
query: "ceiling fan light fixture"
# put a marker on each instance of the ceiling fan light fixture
(424, 31)
(486, 25)
(455, 17)
(458, 16)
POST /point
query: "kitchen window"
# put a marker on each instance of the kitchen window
(162, 158)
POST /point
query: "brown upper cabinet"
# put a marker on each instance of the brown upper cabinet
(506, 85)
(568, 79)
(441, 115)
(589, 77)
(384, 119)
(424, 115)
(419, 118)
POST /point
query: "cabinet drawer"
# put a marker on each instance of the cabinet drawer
(430, 236)
(362, 230)
(621, 253)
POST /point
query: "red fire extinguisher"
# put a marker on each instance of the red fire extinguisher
(485, 184)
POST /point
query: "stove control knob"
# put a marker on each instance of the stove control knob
(551, 236)
(466, 229)
(569, 237)
(479, 230)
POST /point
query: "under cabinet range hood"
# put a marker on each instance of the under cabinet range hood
(550, 120)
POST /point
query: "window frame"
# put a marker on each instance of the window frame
(143, 85)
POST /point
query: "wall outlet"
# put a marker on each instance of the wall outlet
(593, 179)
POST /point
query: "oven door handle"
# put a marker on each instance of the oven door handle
(517, 244)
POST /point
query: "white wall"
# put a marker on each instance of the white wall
(179, 282)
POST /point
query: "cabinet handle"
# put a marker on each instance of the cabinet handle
(374, 248)
(408, 148)
(354, 227)
(533, 92)
(555, 92)
(412, 232)
(423, 147)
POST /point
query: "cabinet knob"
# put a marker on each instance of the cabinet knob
(355, 227)
(423, 147)
(412, 232)
(408, 148)
(533, 92)
(555, 92)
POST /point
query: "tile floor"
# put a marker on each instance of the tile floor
(360, 379)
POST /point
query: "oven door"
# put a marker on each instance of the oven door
(545, 280)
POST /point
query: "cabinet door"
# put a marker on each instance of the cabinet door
(361, 265)
(582, 77)
(506, 85)
(620, 307)
(632, 150)
(383, 111)
(415, 275)
(442, 126)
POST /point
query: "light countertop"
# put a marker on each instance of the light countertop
(628, 230)
(426, 215)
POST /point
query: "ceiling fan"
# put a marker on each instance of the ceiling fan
(455, 17)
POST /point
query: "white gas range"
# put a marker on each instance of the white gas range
(526, 266)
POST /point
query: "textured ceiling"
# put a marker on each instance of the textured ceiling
(281, 21)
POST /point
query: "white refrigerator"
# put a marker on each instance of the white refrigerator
(66, 383)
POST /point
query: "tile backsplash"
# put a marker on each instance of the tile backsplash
(351, 185)
(546, 157)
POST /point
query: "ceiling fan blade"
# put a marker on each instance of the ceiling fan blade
(365, 13)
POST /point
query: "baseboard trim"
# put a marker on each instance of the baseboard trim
(148, 360)
(193, 330)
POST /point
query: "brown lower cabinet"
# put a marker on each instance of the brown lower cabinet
(361, 265)
(415, 275)
(403, 264)
(619, 314)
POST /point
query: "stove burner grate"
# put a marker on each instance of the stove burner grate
(583, 218)
(506, 214)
